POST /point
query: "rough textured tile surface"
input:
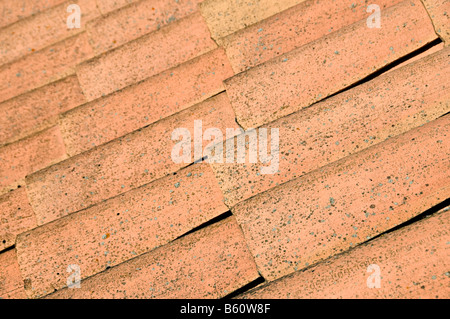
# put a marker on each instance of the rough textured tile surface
(156, 52)
(439, 11)
(210, 263)
(413, 263)
(119, 229)
(136, 20)
(149, 101)
(227, 16)
(11, 283)
(42, 30)
(126, 163)
(16, 216)
(12, 11)
(106, 6)
(38, 109)
(345, 203)
(306, 75)
(29, 155)
(347, 123)
(290, 29)
(42, 67)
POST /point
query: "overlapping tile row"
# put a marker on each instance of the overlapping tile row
(136, 20)
(11, 283)
(291, 29)
(225, 17)
(13, 11)
(16, 216)
(439, 14)
(29, 155)
(412, 262)
(43, 67)
(39, 109)
(363, 116)
(43, 29)
(123, 164)
(209, 263)
(144, 103)
(308, 74)
(156, 52)
(347, 202)
(119, 229)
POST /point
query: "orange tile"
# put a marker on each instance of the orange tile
(227, 16)
(42, 67)
(439, 14)
(210, 263)
(422, 55)
(135, 21)
(106, 6)
(36, 110)
(149, 55)
(306, 75)
(11, 283)
(16, 216)
(13, 11)
(121, 165)
(413, 263)
(42, 30)
(291, 29)
(368, 114)
(347, 202)
(149, 101)
(119, 229)
(29, 155)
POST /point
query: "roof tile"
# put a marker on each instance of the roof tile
(40, 68)
(123, 164)
(11, 283)
(37, 110)
(345, 203)
(149, 101)
(135, 21)
(210, 263)
(29, 155)
(290, 29)
(413, 263)
(227, 16)
(16, 217)
(119, 229)
(349, 122)
(149, 55)
(439, 14)
(306, 75)
(42, 30)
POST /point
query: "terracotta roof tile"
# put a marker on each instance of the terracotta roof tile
(39, 109)
(16, 216)
(349, 122)
(42, 30)
(119, 229)
(40, 68)
(12, 11)
(306, 75)
(227, 16)
(149, 55)
(345, 203)
(209, 263)
(11, 283)
(291, 29)
(413, 263)
(135, 21)
(149, 101)
(106, 6)
(439, 11)
(29, 155)
(119, 166)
